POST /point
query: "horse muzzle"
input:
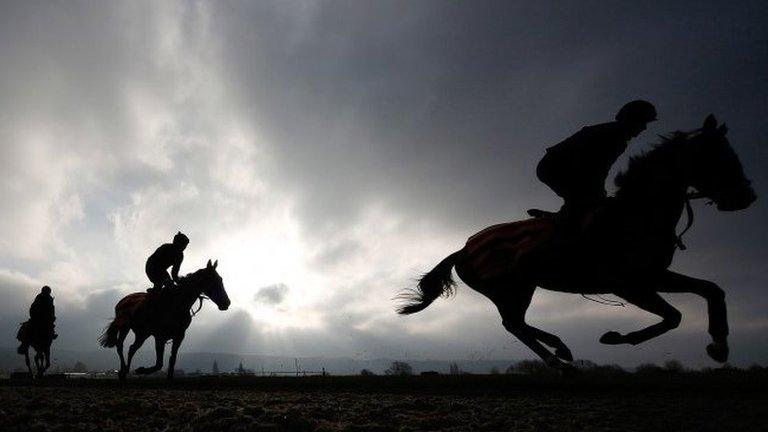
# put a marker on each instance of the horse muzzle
(737, 202)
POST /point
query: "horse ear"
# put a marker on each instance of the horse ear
(723, 129)
(710, 123)
(215, 264)
(209, 265)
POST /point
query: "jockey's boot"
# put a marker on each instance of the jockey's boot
(22, 348)
(155, 289)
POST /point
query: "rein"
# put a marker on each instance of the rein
(689, 216)
(200, 299)
(604, 301)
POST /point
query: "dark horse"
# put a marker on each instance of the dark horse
(38, 338)
(626, 248)
(165, 315)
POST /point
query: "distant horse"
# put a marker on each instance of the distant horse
(40, 339)
(625, 250)
(165, 315)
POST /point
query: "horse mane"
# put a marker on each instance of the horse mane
(190, 279)
(651, 161)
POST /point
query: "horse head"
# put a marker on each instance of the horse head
(716, 171)
(213, 286)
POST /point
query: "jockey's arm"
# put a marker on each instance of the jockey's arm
(176, 267)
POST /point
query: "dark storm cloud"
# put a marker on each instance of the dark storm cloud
(272, 294)
(445, 108)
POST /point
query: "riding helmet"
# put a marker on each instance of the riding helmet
(637, 111)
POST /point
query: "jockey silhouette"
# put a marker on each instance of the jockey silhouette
(167, 255)
(576, 168)
(42, 313)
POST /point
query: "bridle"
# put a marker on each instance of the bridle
(689, 196)
(200, 299)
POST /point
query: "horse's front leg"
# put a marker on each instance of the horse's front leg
(159, 354)
(653, 303)
(29, 365)
(47, 355)
(718, 316)
(174, 351)
(39, 363)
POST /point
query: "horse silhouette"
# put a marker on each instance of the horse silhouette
(626, 250)
(165, 315)
(38, 338)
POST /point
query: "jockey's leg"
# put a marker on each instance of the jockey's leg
(651, 302)
(158, 277)
(715, 297)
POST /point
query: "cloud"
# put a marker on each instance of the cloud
(342, 149)
(272, 294)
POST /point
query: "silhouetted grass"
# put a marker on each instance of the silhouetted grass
(657, 400)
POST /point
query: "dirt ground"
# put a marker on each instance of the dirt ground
(376, 405)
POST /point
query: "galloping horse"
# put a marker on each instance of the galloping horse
(165, 315)
(40, 340)
(625, 250)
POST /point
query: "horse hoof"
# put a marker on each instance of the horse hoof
(612, 338)
(718, 351)
(564, 353)
(569, 370)
(554, 362)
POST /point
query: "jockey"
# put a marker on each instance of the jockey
(576, 168)
(42, 313)
(167, 255)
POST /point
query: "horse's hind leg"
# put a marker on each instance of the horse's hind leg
(121, 335)
(47, 355)
(718, 316)
(651, 302)
(512, 307)
(561, 350)
(137, 343)
(26, 360)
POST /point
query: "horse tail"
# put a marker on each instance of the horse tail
(437, 282)
(108, 338)
(22, 335)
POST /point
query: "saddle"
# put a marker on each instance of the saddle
(30, 330)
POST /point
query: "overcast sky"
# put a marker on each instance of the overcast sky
(326, 153)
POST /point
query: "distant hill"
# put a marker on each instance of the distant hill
(107, 359)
